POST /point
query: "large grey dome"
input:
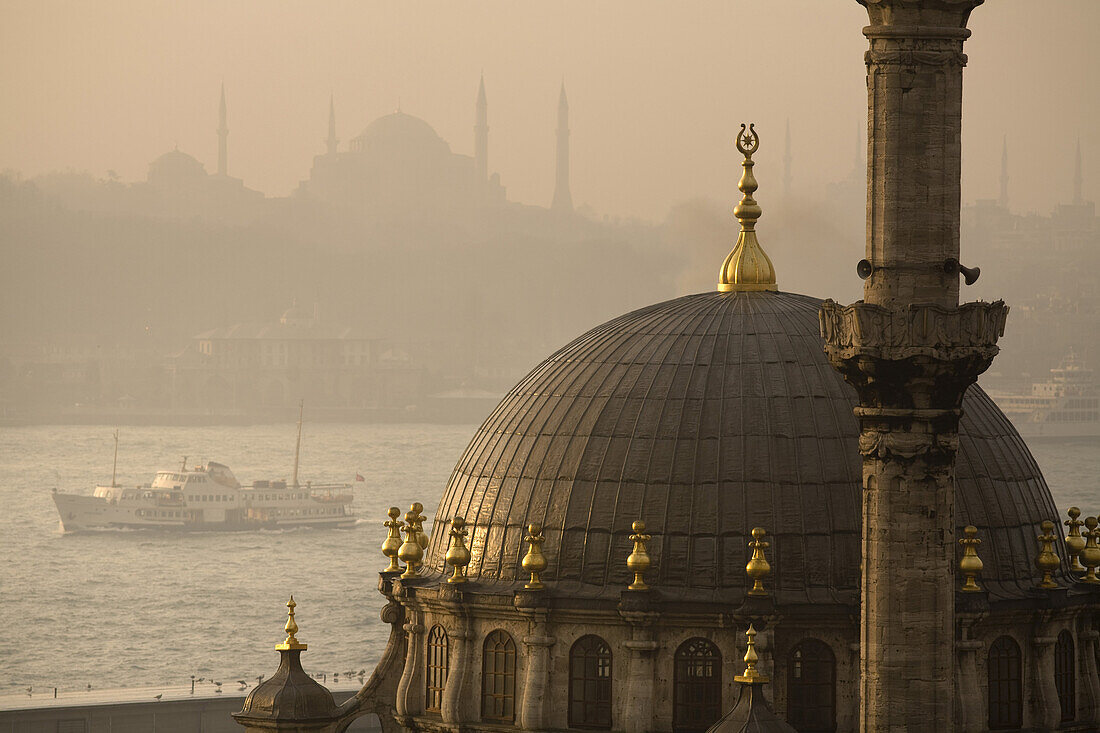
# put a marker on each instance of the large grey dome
(706, 416)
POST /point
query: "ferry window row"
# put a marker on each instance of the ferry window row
(215, 497)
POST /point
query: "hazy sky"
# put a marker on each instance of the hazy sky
(656, 89)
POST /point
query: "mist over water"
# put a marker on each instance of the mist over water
(143, 608)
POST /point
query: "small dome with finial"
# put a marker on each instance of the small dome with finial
(290, 699)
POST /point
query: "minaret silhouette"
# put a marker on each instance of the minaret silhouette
(1077, 197)
(787, 163)
(563, 200)
(481, 134)
(331, 141)
(223, 137)
(1002, 200)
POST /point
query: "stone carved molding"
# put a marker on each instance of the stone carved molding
(912, 57)
(917, 329)
(884, 444)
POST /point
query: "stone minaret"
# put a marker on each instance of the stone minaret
(911, 351)
(223, 136)
(331, 142)
(1002, 200)
(481, 134)
(563, 200)
(1077, 197)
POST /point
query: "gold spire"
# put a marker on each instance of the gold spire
(970, 564)
(392, 544)
(1047, 561)
(1075, 543)
(534, 561)
(747, 267)
(751, 676)
(291, 628)
(758, 567)
(458, 555)
(638, 560)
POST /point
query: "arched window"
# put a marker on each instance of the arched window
(811, 687)
(590, 683)
(437, 669)
(1006, 695)
(1064, 678)
(697, 686)
(498, 678)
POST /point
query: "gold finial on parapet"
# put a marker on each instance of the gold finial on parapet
(1075, 543)
(758, 567)
(291, 628)
(458, 555)
(534, 561)
(392, 544)
(970, 564)
(421, 538)
(1047, 561)
(751, 675)
(747, 267)
(638, 560)
(1090, 556)
(411, 553)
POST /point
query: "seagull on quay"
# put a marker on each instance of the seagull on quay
(158, 697)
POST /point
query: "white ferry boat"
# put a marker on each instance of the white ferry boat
(1065, 406)
(207, 497)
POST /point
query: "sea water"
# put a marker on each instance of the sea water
(121, 608)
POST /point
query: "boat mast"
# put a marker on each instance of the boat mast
(298, 445)
(114, 466)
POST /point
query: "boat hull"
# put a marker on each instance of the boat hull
(82, 513)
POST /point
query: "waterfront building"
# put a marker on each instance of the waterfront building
(272, 366)
(700, 467)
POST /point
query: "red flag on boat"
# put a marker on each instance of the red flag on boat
(359, 477)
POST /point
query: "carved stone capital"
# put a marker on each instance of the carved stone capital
(913, 57)
(885, 444)
(916, 357)
(899, 333)
(918, 14)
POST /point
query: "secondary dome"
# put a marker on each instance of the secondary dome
(706, 416)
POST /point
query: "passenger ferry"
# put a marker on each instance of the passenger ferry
(207, 497)
(1065, 406)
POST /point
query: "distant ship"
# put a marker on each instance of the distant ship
(207, 497)
(1065, 406)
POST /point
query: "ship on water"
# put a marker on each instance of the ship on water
(1067, 405)
(207, 497)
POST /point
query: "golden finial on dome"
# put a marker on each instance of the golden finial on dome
(1047, 561)
(758, 567)
(411, 553)
(291, 628)
(392, 544)
(747, 267)
(751, 676)
(458, 555)
(638, 560)
(970, 564)
(421, 537)
(1075, 543)
(1090, 556)
(534, 561)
